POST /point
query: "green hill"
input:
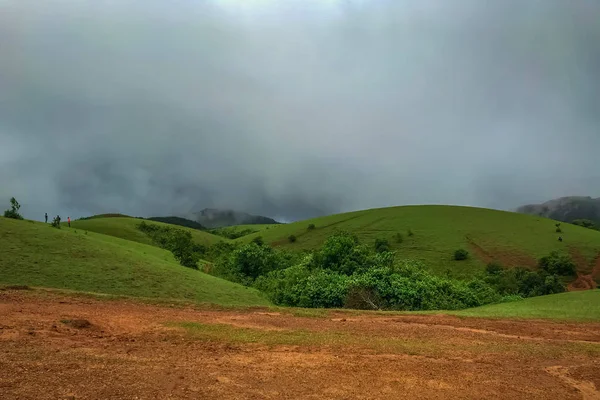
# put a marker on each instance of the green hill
(238, 231)
(437, 231)
(126, 228)
(583, 306)
(36, 254)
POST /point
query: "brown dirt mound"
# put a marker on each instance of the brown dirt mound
(149, 351)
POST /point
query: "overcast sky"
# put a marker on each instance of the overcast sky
(293, 109)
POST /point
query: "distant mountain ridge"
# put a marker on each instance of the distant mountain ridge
(566, 209)
(179, 221)
(216, 218)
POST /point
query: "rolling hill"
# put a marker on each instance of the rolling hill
(36, 254)
(126, 228)
(437, 231)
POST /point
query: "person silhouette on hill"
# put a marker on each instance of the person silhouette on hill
(46, 216)
(69, 221)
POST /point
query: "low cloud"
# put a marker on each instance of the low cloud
(296, 109)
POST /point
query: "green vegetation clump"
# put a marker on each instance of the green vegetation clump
(56, 222)
(382, 245)
(311, 227)
(521, 283)
(586, 223)
(177, 241)
(345, 273)
(461, 254)
(13, 212)
(292, 238)
(558, 264)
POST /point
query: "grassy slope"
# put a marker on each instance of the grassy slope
(511, 238)
(126, 228)
(37, 255)
(584, 306)
(253, 227)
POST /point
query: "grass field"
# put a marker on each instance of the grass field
(126, 228)
(36, 254)
(511, 238)
(581, 306)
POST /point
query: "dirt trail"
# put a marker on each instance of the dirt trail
(586, 281)
(132, 350)
(587, 389)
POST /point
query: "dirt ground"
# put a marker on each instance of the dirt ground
(57, 346)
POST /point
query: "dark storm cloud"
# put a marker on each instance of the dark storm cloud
(297, 108)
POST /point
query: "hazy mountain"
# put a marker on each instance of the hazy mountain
(216, 218)
(566, 209)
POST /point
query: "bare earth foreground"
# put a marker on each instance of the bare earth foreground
(133, 350)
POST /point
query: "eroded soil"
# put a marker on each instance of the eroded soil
(131, 350)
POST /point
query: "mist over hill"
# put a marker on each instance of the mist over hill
(218, 218)
(296, 109)
(566, 209)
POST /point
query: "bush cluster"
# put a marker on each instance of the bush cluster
(177, 241)
(346, 273)
(13, 212)
(526, 283)
(461, 254)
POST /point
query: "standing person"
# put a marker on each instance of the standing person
(46, 216)
(69, 221)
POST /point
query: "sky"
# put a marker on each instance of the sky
(294, 109)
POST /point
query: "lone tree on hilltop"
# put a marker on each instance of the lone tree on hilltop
(14, 210)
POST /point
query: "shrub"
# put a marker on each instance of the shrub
(382, 245)
(341, 253)
(246, 263)
(398, 237)
(56, 222)
(311, 227)
(299, 286)
(177, 241)
(410, 233)
(494, 268)
(258, 240)
(13, 212)
(522, 282)
(461, 254)
(557, 264)
(292, 238)
(558, 230)
(586, 223)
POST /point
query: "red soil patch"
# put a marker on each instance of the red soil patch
(132, 351)
(584, 281)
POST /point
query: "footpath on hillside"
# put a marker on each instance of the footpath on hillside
(54, 346)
